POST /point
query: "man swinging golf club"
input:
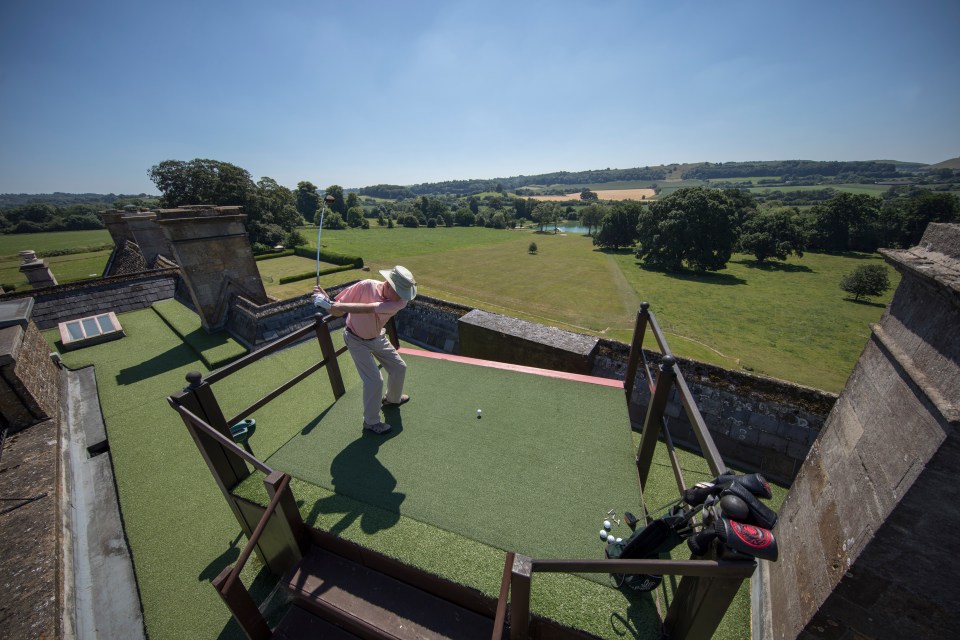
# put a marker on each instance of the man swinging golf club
(368, 305)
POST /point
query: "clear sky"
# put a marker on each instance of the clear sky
(355, 93)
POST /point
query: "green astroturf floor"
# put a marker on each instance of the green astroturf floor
(535, 474)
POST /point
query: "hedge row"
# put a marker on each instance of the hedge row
(275, 254)
(323, 272)
(356, 262)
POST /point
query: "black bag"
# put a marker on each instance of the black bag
(658, 537)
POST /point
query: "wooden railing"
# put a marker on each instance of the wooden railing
(707, 585)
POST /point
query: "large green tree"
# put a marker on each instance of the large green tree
(308, 200)
(592, 215)
(338, 204)
(618, 228)
(269, 207)
(545, 213)
(693, 227)
(845, 222)
(201, 181)
(904, 220)
(866, 280)
(773, 232)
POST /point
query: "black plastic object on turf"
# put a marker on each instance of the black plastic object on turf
(660, 536)
(630, 519)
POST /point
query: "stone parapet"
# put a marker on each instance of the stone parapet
(29, 380)
(865, 520)
(90, 297)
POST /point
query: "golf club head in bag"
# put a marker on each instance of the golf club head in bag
(741, 538)
(754, 483)
(757, 512)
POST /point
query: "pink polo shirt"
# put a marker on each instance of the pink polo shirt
(369, 325)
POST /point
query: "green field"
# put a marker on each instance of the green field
(69, 268)
(787, 320)
(11, 243)
(865, 189)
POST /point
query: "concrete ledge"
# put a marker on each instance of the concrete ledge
(490, 336)
(101, 597)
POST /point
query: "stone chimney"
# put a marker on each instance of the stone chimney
(212, 248)
(29, 380)
(866, 533)
(37, 272)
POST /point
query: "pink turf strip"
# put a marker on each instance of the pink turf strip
(549, 373)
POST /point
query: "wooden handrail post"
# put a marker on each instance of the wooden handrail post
(636, 348)
(654, 419)
(700, 604)
(242, 606)
(330, 355)
(520, 597)
(287, 538)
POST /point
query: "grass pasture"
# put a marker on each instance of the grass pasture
(788, 320)
(69, 268)
(857, 189)
(11, 243)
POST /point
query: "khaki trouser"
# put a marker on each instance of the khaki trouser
(366, 354)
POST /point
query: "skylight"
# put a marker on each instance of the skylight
(75, 334)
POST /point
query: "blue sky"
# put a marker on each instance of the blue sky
(92, 94)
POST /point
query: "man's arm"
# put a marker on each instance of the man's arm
(341, 308)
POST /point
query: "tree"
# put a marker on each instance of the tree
(773, 233)
(270, 208)
(338, 204)
(464, 217)
(591, 216)
(588, 195)
(695, 227)
(355, 217)
(294, 239)
(545, 213)
(308, 200)
(904, 220)
(201, 181)
(618, 228)
(866, 280)
(532, 248)
(845, 222)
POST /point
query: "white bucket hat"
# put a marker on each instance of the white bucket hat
(402, 282)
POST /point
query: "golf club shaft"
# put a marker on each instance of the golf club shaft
(319, 230)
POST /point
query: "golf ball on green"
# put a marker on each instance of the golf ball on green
(603, 534)
(606, 525)
(611, 539)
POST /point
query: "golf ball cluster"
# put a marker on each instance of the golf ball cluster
(606, 536)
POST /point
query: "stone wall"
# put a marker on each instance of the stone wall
(118, 294)
(29, 380)
(256, 324)
(866, 527)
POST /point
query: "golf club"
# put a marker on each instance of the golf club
(326, 199)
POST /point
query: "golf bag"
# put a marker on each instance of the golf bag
(659, 536)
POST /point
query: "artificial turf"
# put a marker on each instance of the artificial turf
(213, 349)
(534, 474)
(182, 533)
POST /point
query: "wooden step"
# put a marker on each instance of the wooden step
(373, 605)
(300, 624)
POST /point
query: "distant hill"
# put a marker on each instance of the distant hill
(60, 199)
(952, 163)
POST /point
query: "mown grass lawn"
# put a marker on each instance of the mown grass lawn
(69, 268)
(11, 243)
(788, 320)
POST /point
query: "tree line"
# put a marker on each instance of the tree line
(699, 228)
(791, 168)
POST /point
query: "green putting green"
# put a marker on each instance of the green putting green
(535, 474)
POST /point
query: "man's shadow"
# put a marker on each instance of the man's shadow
(364, 489)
